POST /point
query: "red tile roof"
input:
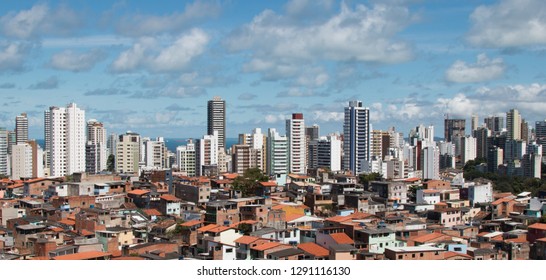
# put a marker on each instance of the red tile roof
(291, 217)
(501, 200)
(67, 222)
(246, 239)
(83, 256)
(428, 237)
(449, 255)
(314, 249)
(541, 239)
(138, 192)
(539, 226)
(266, 246)
(152, 212)
(170, 198)
(230, 175)
(191, 223)
(218, 229)
(269, 184)
(207, 227)
(341, 238)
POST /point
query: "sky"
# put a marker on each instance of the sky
(151, 66)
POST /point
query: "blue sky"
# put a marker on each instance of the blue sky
(150, 66)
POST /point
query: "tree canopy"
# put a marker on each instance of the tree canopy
(247, 182)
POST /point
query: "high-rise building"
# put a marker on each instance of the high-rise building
(356, 137)
(311, 137)
(155, 154)
(494, 124)
(4, 164)
(96, 156)
(454, 128)
(244, 157)
(67, 136)
(297, 153)
(207, 154)
(525, 133)
(21, 161)
(540, 132)
(21, 128)
(329, 152)
(12, 140)
(468, 149)
(216, 119)
(430, 162)
(513, 124)
(481, 135)
(380, 142)
(111, 144)
(277, 154)
(185, 158)
(494, 158)
(256, 140)
(128, 153)
(47, 138)
(474, 123)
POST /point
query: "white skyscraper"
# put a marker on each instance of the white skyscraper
(128, 153)
(185, 158)
(21, 128)
(329, 152)
(277, 153)
(155, 153)
(356, 137)
(4, 152)
(95, 151)
(513, 125)
(257, 141)
(297, 153)
(67, 138)
(207, 153)
(430, 162)
(216, 119)
(21, 159)
(468, 149)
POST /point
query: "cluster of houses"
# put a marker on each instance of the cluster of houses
(161, 215)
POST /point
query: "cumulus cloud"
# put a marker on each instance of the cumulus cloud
(107, 92)
(7, 85)
(176, 107)
(40, 20)
(148, 54)
(484, 69)
(70, 60)
(247, 96)
(509, 23)
(360, 34)
(144, 25)
(13, 56)
(51, 83)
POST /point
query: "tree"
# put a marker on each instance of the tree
(365, 179)
(111, 163)
(247, 182)
(542, 219)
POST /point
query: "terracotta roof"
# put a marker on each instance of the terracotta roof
(218, 229)
(354, 216)
(415, 179)
(314, 249)
(128, 259)
(449, 255)
(501, 200)
(541, 239)
(246, 239)
(83, 256)
(519, 239)
(87, 233)
(138, 192)
(539, 226)
(428, 237)
(282, 206)
(431, 191)
(191, 223)
(170, 197)
(39, 259)
(207, 227)
(230, 175)
(248, 222)
(291, 217)
(266, 246)
(67, 222)
(298, 176)
(341, 238)
(57, 229)
(269, 184)
(152, 212)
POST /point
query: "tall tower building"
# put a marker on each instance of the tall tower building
(47, 138)
(185, 158)
(540, 131)
(128, 153)
(356, 137)
(257, 141)
(21, 128)
(297, 154)
(4, 152)
(207, 155)
(67, 137)
(494, 124)
(474, 123)
(454, 128)
(95, 148)
(216, 120)
(513, 124)
(155, 153)
(277, 154)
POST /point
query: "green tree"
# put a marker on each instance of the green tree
(542, 219)
(247, 182)
(111, 163)
(365, 179)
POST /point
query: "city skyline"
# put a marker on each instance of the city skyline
(151, 68)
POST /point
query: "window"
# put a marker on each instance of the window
(230, 250)
(421, 255)
(413, 256)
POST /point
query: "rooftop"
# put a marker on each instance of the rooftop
(83, 256)
(314, 249)
(412, 249)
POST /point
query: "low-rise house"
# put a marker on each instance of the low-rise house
(287, 254)
(447, 217)
(415, 253)
(314, 251)
(262, 251)
(536, 231)
(85, 256)
(427, 196)
(486, 254)
(342, 252)
(376, 239)
(169, 205)
(245, 243)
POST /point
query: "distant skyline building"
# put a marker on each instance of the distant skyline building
(297, 153)
(540, 132)
(329, 152)
(186, 157)
(67, 137)
(277, 154)
(216, 119)
(21, 128)
(128, 153)
(96, 155)
(155, 154)
(494, 124)
(356, 137)
(513, 124)
(4, 164)
(454, 128)
(206, 154)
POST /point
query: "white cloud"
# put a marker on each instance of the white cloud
(51, 83)
(40, 20)
(148, 54)
(76, 61)
(141, 25)
(360, 34)
(12, 56)
(484, 69)
(510, 23)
